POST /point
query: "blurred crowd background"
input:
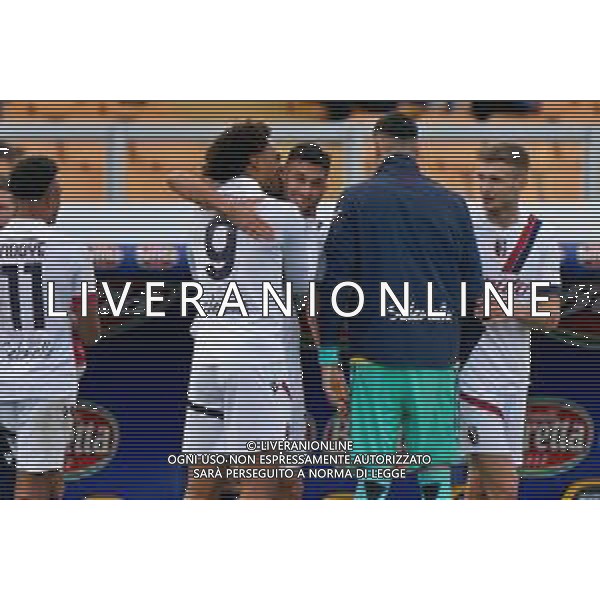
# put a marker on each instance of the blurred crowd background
(556, 173)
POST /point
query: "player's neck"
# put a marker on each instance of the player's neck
(22, 214)
(506, 217)
(308, 212)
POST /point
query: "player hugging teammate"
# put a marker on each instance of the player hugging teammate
(246, 381)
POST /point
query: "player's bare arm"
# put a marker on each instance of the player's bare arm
(314, 330)
(203, 192)
(88, 327)
(336, 389)
(522, 312)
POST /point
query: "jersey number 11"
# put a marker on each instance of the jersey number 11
(37, 299)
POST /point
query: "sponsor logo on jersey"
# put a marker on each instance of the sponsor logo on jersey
(558, 436)
(95, 441)
(107, 256)
(156, 256)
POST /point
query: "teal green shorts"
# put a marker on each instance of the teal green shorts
(404, 410)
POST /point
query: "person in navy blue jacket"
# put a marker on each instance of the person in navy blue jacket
(402, 278)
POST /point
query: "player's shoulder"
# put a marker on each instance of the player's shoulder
(283, 216)
(17, 228)
(276, 207)
(243, 187)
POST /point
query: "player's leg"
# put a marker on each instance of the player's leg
(432, 428)
(199, 486)
(499, 469)
(493, 429)
(298, 430)
(39, 486)
(264, 402)
(44, 430)
(474, 489)
(376, 409)
(204, 428)
(7, 450)
(468, 434)
(290, 489)
(259, 489)
(498, 473)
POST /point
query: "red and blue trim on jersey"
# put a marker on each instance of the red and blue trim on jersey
(483, 405)
(514, 263)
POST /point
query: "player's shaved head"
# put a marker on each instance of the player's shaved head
(396, 126)
(395, 133)
(31, 178)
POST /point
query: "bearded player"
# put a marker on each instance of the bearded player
(38, 377)
(515, 246)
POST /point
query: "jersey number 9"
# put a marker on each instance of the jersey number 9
(226, 255)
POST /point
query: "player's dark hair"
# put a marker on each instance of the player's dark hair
(31, 177)
(310, 153)
(229, 155)
(513, 155)
(398, 126)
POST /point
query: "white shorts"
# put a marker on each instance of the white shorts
(494, 424)
(39, 432)
(233, 404)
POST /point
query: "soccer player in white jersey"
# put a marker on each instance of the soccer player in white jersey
(305, 176)
(515, 246)
(304, 181)
(246, 382)
(37, 368)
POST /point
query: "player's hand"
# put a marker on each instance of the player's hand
(243, 213)
(194, 187)
(336, 389)
(496, 313)
(202, 191)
